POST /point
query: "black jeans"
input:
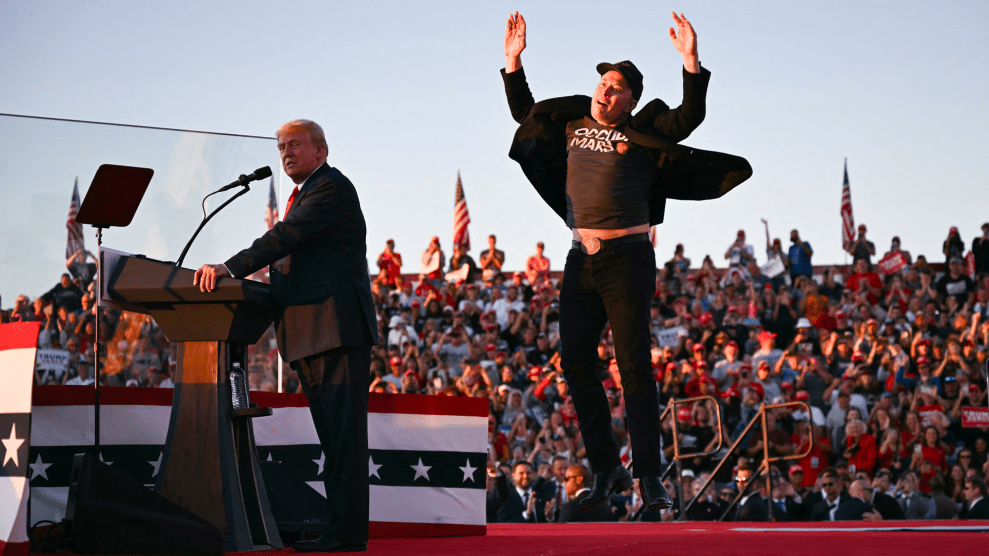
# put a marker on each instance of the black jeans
(615, 285)
(338, 404)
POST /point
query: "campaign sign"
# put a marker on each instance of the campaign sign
(975, 417)
(892, 263)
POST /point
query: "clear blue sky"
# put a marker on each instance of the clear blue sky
(409, 93)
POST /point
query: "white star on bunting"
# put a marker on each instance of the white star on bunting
(468, 471)
(372, 468)
(319, 463)
(157, 464)
(12, 444)
(421, 470)
(39, 469)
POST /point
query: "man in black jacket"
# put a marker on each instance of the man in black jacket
(324, 321)
(577, 483)
(523, 501)
(608, 174)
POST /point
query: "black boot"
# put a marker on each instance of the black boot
(606, 484)
(654, 494)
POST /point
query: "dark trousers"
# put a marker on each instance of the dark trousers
(338, 404)
(615, 285)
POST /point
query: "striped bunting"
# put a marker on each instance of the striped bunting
(426, 470)
(18, 347)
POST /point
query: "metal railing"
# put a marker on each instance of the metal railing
(767, 460)
(677, 456)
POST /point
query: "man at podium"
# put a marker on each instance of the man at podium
(324, 319)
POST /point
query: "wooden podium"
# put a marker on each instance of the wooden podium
(209, 465)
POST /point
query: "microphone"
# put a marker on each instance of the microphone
(258, 174)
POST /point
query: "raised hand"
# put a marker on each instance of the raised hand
(685, 41)
(514, 42)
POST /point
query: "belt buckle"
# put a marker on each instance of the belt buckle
(591, 245)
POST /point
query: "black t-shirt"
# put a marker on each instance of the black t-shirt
(958, 287)
(608, 178)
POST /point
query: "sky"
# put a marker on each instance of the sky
(409, 94)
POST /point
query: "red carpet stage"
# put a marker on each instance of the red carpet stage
(926, 538)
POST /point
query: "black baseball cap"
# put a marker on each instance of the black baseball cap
(628, 71)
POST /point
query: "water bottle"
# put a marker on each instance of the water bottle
(238, 387)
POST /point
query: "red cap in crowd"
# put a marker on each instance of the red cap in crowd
(787, 385)
(757, 388)
(706, 318)
(396, 361)
(857, 356)
(802, 396)
(766, 335)
(796, 469)
(534, 372)
(701, 364)
(671, 366)
(491, 347)
(698, 347)
(731, 344)
(732, 309)
(684, 414)
(922, 360)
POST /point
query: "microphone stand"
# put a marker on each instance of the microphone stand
(207, 219)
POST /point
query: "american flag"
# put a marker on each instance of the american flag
(75, 241)
(271, 213)
(461, 217)
(847, 221)
(426, 466)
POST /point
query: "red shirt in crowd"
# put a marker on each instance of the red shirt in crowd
(864, 459)
(935, 456)
(873, 280)
(887, 459)
(813, 462)
(392, 268)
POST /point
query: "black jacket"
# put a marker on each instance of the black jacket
(979, 511)
(686, 173)
(852, 509)
(754, 509)
(821, 512)
(508, 506)
(319, 279)
(571, 511)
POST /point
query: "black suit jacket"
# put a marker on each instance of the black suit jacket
(754, 509)
(539, 145)
(979, 511)
(319, 279)
(571, 511)
(887, 506)
(852, 509)
(509, 506)
(821, 511)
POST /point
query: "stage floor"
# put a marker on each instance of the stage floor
(927, 538)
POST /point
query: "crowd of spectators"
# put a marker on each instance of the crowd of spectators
(887, 357)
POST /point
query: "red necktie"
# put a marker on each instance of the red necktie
(291, 199)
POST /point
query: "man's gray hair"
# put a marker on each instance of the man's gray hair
(316, 134)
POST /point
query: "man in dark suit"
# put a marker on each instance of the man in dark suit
(752, 506)
(577, 483)
(857, 507)
(833, 496)
(977, 499)
(523, 501)
(608, 174)
(324, 321)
